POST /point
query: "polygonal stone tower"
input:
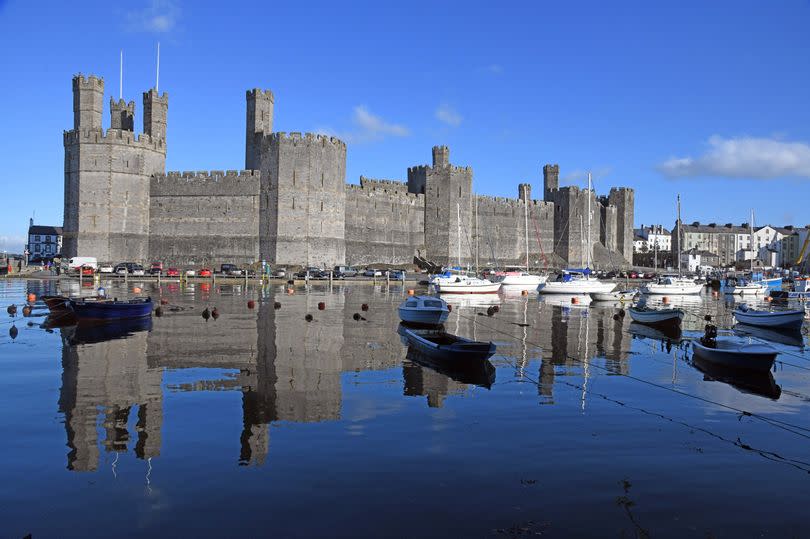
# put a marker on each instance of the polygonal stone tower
(122, 115)
(259, 122)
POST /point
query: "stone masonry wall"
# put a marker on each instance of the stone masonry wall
(384, 223)
(204, 218)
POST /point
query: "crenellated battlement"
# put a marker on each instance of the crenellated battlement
(373, 183)
(258, 93)
(122, 104)
(396, 196)
(113, 136)
(206, 183)
(90, 82)
(155, 96)
(489, 200)
(308, 138)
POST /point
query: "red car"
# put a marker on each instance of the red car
(634, 275)
(172, 272)
(87, 270)
(205, 272)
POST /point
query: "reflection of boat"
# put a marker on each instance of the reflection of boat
(670, 333)
(657, 317)
(769, 319)
(444, 346)
(758, 383)
(790, 337)
(96, 309)
(425, 310)
(616, 295)
(90, 332)
(472, 300)
(567, 300)
(737, 355)
(480, 373)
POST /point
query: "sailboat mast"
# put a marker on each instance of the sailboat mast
(581, 244)
(678, 254)
(588, 246)
(751, 229)
(526, 229)
(458, 232)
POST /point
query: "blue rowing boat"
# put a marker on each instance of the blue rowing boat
(110, 309)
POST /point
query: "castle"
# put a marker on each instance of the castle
(292, 205)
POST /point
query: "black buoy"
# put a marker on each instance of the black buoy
(356, 316)
(308, 318)
(615, 316)
(364, 307)
(12, 332)
(206, 314)
(708, 318)
(622, 313)
(12, 310)
(277, 305)
(491, 311)
(159, 311)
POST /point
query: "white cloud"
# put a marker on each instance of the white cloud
(159, 17)
(448, 115)
(368, 128)
(743, 157)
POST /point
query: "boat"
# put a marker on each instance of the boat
(673, 285)
(769, 319)
(739, 286)
(656, 317)
(470, 285)
(576, 281)
(616, 295)
(56, 304)
(446, 277)
(735, 354)
(440, 345)
(110, 309)
(480, 373)
(755, 382)
(799, 290)
(424, 310)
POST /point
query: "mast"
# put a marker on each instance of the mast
(121, 76)
(526, 228)
(477, 235)
(157, 69)
(679, 235)
(581, 244)
(751, 229)
(458, 232)
(589, 221)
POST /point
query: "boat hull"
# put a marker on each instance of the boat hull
(660, 317)
(110, 310)
(747, 290)
(523, 280)
(459, 350)
(749, 357)
(626, 295)
(468, 288)
(423, 317)
(776, 319)
(686, 289)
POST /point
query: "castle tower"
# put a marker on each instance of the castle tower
(122, 115)
(155, 109)
(441, 156)
(88, 102)
(259, 121)
(107, 175)
(524, 191)
(551, 181)
(623, 199)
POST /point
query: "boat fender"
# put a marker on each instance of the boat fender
(214, 313)
(26, 310)
(321, 306)
(308, 318)
(364, 307)
(622, 313)
(449, 308)
(574, 301)
(137, 290)
(32, 298)
(206, 314)
(411, 292)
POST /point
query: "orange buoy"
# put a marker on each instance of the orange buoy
(321, 306)
(449, 308)
(32, 297)
(715, 293)
(214, 313)
(411, 292)
(137, 290)
(665, 299)
(251, 304)
(767, 298)
(27, 310)
(574, 300)
(524, 292)
(290, 291)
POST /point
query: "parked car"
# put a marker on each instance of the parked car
(122, 268)
(230, 269)
(172, 272)
(87, 270)
(396, 275)
(75, 263)
(372, 272)
(280, 273)
(649, 275)
(314, 273)
(190, 273)
(106, 268)
(633, 275)
(344, 271)
(204, 272)
(136, 269)
(156, 268)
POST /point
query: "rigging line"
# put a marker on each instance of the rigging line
(774, 422)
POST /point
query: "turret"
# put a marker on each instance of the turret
(88, 102)
(524, 191)
(259, 119)
(441, 156)
(551, 180)
(122, 115)
(155, 110)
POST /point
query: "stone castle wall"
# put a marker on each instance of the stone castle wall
(204, 218)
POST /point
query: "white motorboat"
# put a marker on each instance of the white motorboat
(424, 310)
(738, 355)
(616, 295)
(446, 277)
(576, 281)
(470, 285)
(672, 285)
(742, 287)
(769, 319)
(662, 317)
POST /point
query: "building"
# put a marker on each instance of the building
(693, 259)
(655, 236)
(726, 241)
(292, 206)
(44, 242)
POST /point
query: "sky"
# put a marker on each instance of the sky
(704, 99)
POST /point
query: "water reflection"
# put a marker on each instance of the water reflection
(756, 383)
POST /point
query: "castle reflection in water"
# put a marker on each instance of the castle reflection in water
(288, 369)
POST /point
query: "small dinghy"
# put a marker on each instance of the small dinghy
(737, 355)
(769, 319)
(95, 309)
(424, 311)
(618, 295)
(656, 317)
(441, 345)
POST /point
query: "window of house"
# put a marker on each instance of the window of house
(36, 238)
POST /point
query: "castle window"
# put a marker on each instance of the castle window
(321, 205)
(459, 191)
(321, 179)
(293, 200)
(293, 178)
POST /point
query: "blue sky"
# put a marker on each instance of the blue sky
(706, 99)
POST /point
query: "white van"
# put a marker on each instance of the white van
(75, 263)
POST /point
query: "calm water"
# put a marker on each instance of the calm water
(260, 423)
